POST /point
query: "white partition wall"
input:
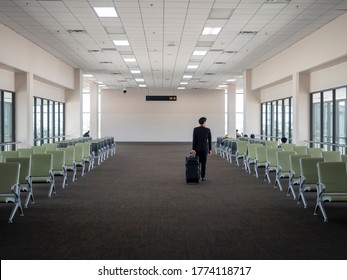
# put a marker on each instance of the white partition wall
(129, 117)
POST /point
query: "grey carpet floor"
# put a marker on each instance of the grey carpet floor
(136, 205)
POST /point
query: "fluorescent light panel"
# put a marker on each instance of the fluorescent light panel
(121, 42)
(192, 66)
(129, 59)
(211, 30)
(142, 85)
(187, 76)
(199, 52)
(106, 11)
(135, 71)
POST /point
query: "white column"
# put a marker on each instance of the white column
(301, 108)
(24, 109)
(232, 110)
(94, 127)
(73, 107)
(251, 106)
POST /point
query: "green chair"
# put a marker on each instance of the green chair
(79, 152)
(70, 162)
(24, 181)
(283, 166)
(241, 150)
(38, 149)
(251, 155)
(230, 152)
(25, 152)
(50, 146)
(288, 146)
(315, 152)
(300, 150)
(330, 156)
(295, 173)
(8, 154)
(59, 166)
(9, 186)
(271, 144)
(271, 161)
(87, 155)
(260, 159)
(344, 158)
(332, 178)
(41, 171)
(309, 177)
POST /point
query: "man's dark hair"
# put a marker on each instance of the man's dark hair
(284, 139)
(202, 120)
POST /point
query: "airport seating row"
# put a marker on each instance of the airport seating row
(302, 169)
(24, 168)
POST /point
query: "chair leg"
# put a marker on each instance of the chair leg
(320, 206)
(52, 188)
(30, 195)
(267, 175)
(18, 205)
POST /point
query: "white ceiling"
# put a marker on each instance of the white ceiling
(164, 33)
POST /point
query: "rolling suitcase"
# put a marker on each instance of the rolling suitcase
(192, 169)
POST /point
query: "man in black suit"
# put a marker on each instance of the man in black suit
(202, 144)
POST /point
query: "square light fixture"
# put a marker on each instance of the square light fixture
(106, 11)
(121, 42)
(211, 30)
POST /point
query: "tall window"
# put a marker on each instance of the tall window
(226, 112)
(276, 119)
(239, 111)
(49, 121)
(328, 119)
(7, 117)
(86, 111)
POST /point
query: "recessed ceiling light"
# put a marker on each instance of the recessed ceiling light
(231, 80)
(139, 80)
(129, 59)
(181, 88)
(187, 76)
(142, 85)
(106, 11)
(211, 30)
(183, 83)
(199, 52)
(135, 71)
(192, 66)
(87, 75)
(121, 42)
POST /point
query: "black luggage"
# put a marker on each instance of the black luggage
(192, 169)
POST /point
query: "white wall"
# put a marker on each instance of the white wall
(317, 62)
(21, 54)
(129, 117)
(6, 80)
(330, 77)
